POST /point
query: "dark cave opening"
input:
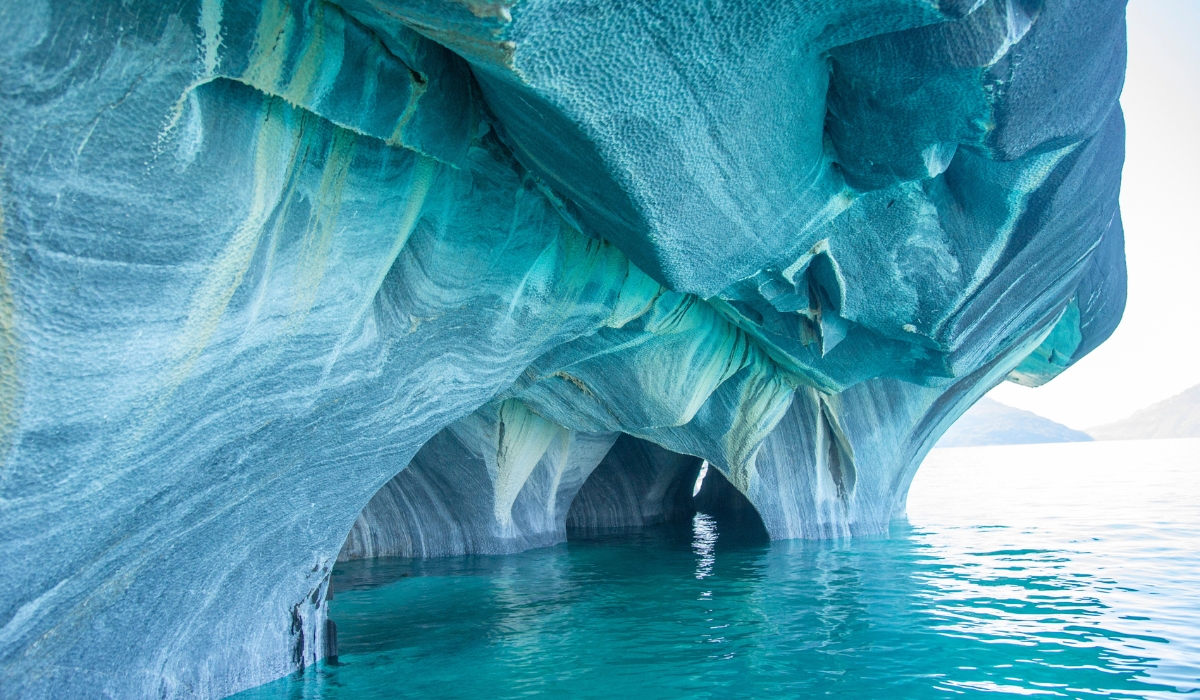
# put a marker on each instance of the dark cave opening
(437, 515)
(639, 484)
(734, 513)
(446, 501)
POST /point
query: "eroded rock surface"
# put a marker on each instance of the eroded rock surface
(260, 256)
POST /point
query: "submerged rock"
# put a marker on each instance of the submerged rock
(259, 256)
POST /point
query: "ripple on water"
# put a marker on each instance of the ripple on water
(1049, 570)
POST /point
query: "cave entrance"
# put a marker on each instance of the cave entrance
(448, 500)
(734, 515)
(639, 484)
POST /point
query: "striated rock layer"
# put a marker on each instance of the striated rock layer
(553, 256)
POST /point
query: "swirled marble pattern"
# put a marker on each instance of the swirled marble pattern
(259, 256)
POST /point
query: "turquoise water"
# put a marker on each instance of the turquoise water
(1056, 570)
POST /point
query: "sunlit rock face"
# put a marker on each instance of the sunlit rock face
(285, 280)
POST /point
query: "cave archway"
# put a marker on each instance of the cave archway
(444, 502)
(495, 482)
(734, 514)
(637, 484)
(640, 484)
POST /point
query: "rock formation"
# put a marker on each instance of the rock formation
(261, 255)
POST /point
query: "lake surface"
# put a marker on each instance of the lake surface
(1068, 570)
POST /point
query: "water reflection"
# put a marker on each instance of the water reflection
(704, 544)
(993, 599)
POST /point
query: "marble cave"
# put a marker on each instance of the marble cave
(285, 283)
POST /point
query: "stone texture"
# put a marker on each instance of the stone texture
(260, 256)
(500, 480)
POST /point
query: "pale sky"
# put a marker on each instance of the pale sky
(1153, 354)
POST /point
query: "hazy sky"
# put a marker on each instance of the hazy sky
(1155, 353)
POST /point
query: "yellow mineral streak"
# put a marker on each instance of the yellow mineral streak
(576, 381)
(714, 351)
(318, 237)
(764, 400)
(418, 84)
(802, 374)
(271, 40)
(522, 438)
(423, 173)
(638, 293)
(424, 170)
(274, 160)
(320, 59)
(316, 69)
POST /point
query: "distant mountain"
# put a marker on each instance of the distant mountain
(992, 423)
(1176, 417)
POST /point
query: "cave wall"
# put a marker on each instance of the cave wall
(258, 256)
(499, 480)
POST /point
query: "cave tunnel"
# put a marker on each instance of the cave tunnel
(640, 484)
(450, 498)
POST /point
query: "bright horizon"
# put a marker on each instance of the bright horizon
(1152, 355)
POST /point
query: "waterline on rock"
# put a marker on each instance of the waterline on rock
(1001, 582)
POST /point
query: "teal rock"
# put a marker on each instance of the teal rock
(288, 281)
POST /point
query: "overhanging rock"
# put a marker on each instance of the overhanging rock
(258, 256)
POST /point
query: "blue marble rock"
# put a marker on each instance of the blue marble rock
(288, 281)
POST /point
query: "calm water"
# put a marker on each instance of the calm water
(1059, 570)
